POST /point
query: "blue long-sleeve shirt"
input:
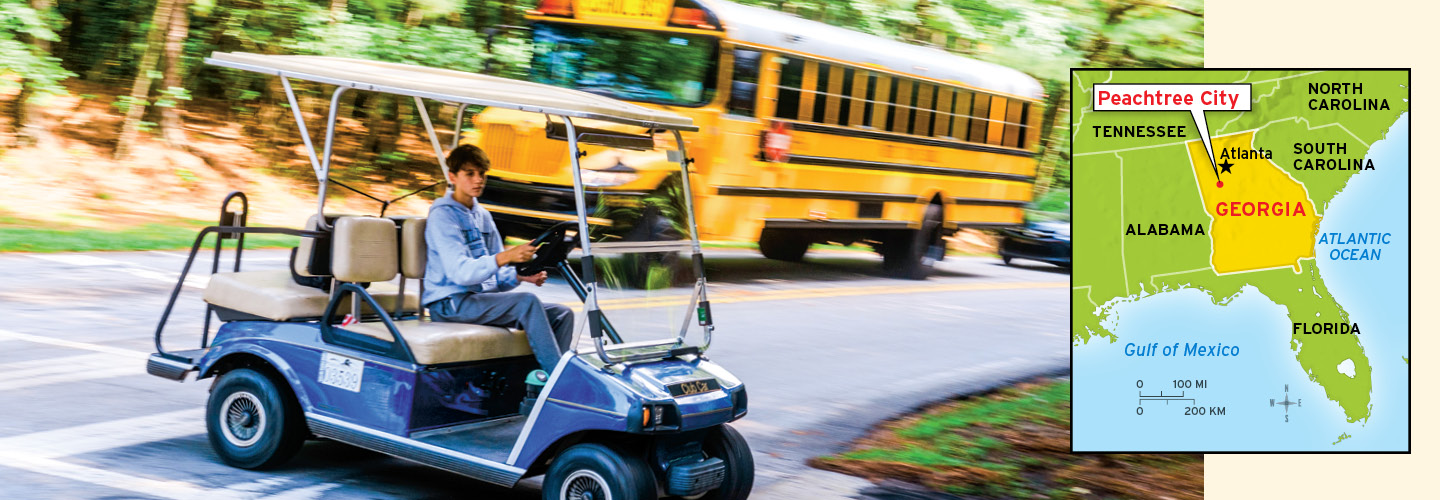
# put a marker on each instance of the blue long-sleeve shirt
(461, 256)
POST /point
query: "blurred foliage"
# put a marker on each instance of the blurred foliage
(102, 41)
(22, 61)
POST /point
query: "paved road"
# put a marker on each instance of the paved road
(827, 348)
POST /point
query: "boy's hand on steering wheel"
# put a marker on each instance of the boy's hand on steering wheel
(516, 254)
(537, 279)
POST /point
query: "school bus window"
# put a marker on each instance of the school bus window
(1013, 126)
(944, 110)
(792, 74)
(893, 103)
(743, 82)
(996, 134)
(835, 101)
(884, 94)
(807, 92)
(1024, 126)
(960, 119)
(904, 105)
(858, 90)
(925, 109)
(822, 101)
(979, 125)
(874, 107)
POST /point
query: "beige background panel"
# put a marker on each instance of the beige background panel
(1246, 33)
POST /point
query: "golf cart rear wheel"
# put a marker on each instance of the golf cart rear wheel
(780, 244)
(253, 421)
(727, 444)
(596, 472)
(911, 253)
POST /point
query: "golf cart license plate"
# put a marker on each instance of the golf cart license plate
(693, 387)
(342, 372)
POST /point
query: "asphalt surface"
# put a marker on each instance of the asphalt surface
(827, 348)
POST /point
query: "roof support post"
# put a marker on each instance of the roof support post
(700, 295)
(459, 121)
(434, 139)
(325, 160)
(300, 122)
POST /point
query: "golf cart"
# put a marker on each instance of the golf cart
(615, 420)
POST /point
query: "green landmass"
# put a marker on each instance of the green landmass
(1407, 360)
(1154, 184)
(1343, 436)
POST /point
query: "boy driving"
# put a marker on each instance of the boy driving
(468, 271)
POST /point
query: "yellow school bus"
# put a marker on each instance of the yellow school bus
(809, 133)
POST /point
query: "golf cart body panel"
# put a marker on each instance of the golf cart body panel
(594, 397)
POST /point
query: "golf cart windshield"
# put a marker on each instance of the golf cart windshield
(561, 107)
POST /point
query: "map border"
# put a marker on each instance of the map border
(1409, 263)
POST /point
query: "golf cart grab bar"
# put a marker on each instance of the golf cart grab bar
(195, 248)
(398, 348)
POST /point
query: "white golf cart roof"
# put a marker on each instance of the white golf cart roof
(453, 86)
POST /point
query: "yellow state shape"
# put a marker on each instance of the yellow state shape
(1246, 243)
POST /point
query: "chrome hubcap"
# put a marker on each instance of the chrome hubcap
(584, 484)
(243, 420)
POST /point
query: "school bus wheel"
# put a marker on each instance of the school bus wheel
(911, 253)
(781, 244)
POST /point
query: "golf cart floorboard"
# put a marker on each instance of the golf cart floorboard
(478, 453)
(491, 440)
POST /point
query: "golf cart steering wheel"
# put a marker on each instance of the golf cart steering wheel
(553, 246)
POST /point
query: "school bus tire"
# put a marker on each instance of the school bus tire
(784, 245)
(911, 253)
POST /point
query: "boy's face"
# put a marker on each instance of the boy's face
(469, 180)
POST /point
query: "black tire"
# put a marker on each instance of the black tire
(1005, 259)
(600, 470)
(727, 443)
(911, 254)
(253, 420)
(779, 244)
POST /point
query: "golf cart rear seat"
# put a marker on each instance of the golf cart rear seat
(365, 251)
(273, 295)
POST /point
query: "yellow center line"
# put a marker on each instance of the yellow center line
(731, 297)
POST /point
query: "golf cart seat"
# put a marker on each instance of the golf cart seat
(273, 294)
(365, 251)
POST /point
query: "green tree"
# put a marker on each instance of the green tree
(26, 62)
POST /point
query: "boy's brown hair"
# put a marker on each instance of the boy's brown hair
(468, 154)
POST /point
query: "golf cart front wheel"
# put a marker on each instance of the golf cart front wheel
(253, 422)
(597, 472)
(727, 444)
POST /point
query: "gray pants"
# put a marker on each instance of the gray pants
(549, 327)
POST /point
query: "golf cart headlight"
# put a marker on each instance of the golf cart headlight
(659, 417)
(606, 178)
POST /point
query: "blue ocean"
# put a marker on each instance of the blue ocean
(1109, 414)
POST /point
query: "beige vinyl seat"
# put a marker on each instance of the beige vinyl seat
(365, 251)
(273, 295)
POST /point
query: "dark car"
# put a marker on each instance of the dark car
(1045, 240)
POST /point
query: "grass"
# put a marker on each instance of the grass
(1012, 443)
(17, 235)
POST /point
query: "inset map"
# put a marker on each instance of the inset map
(1241, 278)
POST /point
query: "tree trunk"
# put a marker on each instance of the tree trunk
(337, 9)
(29, 118)
(140, 91)
(170, 126)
